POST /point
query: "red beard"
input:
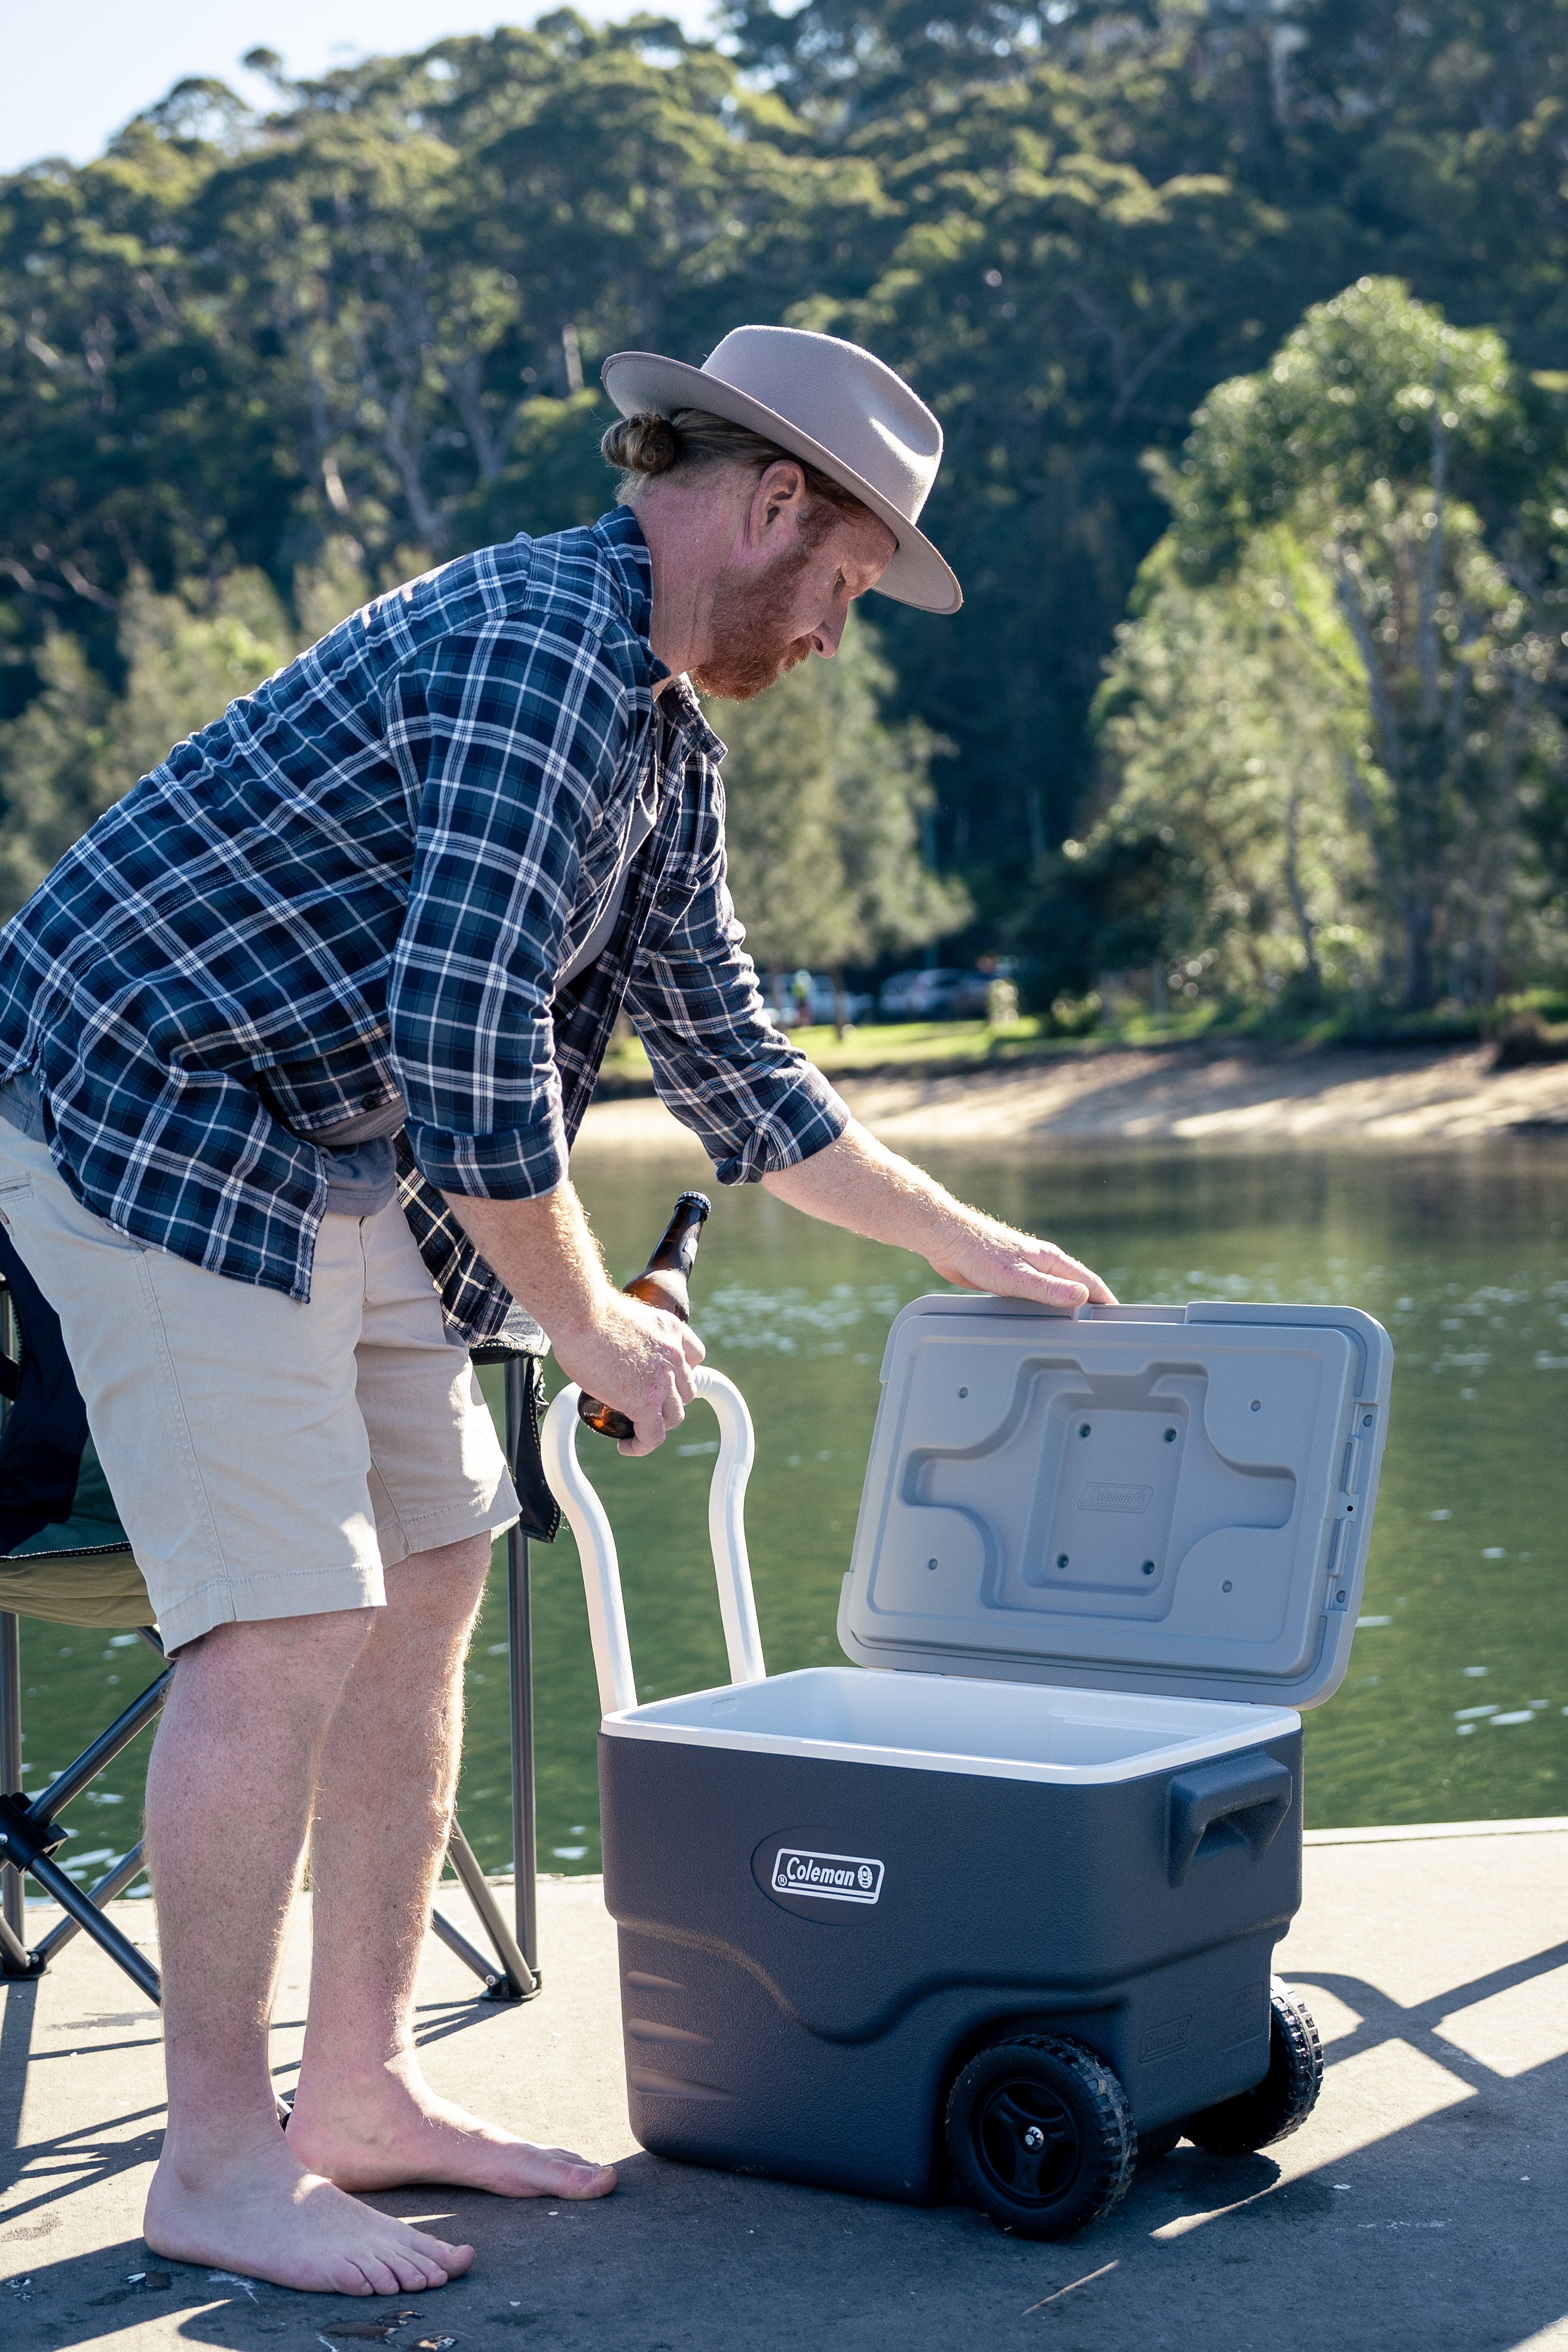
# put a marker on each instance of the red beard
(749, 651)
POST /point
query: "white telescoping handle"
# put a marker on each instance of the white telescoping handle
(596, 1544)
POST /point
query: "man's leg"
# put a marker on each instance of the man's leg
(230, 1794)
(364, 2114)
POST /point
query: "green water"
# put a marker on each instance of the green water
(1455, 1705)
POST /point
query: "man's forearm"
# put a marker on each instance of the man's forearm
(859, 1184)
(542, 1250)
(632, 1356)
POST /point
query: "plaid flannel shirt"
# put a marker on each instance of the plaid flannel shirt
(360, 882)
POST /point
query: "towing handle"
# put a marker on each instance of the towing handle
(586, 1516)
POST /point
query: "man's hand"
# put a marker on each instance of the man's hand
(983, 1255)
(632, 1356)
(636, 1358)
(858, 1183)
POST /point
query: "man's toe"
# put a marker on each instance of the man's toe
(413, 2274)
(445, 2261)
(349, 2277)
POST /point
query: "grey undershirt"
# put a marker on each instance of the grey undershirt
(360, 1153)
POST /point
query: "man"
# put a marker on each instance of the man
(293, 1045)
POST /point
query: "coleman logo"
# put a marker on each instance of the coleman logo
(1098, 1497)
(1165, 2040)
(838, 1877)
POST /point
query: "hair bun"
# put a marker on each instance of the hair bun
(642, 445)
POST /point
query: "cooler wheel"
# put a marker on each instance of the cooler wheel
(1281, 2103)
(1040, 2136)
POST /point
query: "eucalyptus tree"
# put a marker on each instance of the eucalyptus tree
(1369, 531)
(827, 803)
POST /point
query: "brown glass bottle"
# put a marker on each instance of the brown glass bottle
(662, 1283)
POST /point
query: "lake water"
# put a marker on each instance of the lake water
(1455, 1705)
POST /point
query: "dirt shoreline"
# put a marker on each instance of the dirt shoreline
(1238, 1095)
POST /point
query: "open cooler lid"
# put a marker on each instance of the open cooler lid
(1154, 1498)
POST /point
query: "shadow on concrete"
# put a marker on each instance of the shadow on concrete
(1424, 2236)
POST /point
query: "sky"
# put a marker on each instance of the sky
(71, 74)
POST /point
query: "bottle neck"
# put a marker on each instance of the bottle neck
(676, 1251)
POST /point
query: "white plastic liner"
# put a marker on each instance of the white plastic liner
(937, 1723)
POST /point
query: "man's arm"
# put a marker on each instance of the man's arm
(623, 1352)
(856, 1181)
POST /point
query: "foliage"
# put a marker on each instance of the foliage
(78, 747)
(825, 802)
(1383, 657)
(230, 339)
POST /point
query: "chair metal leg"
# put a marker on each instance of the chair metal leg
(520, 1376)
(520, 1984)
(91, 1921)
(488, 1972)
(518, 1976)
(16, 1960)
(80, 1908)
(13, 1914)
(520, 1667)
(103, 1890)
(103, 1750)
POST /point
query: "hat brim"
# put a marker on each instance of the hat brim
(641, 383)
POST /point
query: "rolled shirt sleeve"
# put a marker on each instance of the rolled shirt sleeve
(514, 737)
(752, 1100)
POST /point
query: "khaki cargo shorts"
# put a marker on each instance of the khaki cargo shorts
(268, 1459)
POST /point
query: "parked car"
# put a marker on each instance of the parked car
(819, 1003)
(942, 994)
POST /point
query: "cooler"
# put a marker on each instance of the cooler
(992, 1908)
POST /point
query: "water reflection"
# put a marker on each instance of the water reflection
(1455, 1705)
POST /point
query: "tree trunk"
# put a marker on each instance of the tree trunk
(1495, 921)
(1296, 895)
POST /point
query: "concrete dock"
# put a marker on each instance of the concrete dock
(1423, 2207)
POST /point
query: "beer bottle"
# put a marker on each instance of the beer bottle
(662, 1283)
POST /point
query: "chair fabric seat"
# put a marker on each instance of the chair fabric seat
(78, 1569)
(77, 1579)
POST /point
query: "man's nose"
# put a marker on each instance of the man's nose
(827, 635)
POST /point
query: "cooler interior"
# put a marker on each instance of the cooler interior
(957, 1723)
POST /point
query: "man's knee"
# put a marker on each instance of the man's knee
(306, 1659)
(443, 1586)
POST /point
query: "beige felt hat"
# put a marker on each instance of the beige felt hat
(828, 402)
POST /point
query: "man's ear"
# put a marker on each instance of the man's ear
(780, 495)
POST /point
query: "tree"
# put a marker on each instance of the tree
(1227, 860)
(1363, 581)
(231, 336)
(825, 802)
(78, 747)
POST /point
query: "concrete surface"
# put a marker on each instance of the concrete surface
(1421, 2207)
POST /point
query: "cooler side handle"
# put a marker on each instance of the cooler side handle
(1250, 1793)
(587, 1518)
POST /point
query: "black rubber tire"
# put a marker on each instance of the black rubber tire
(1040, 2136)
(1153, 2145)
(1281, 2103)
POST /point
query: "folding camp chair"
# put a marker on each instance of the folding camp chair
(65, 1558)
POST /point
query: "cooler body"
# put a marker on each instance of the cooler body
(823, 1908)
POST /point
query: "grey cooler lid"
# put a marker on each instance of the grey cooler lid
(1171, 1499)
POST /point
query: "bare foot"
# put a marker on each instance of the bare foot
(390, 2131)
(266, 2216)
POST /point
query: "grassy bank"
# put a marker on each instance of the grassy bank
(950, 1048)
